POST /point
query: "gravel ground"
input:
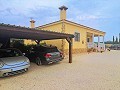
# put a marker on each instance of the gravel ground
(94, 71)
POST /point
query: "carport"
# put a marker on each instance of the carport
(11, 31)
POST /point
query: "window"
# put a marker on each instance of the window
(77, 36)
(88, 39)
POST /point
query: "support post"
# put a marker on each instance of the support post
(93, 40)
(70, 41)
(98, 42)
(37, 41)
(103, 40)
(103, 43)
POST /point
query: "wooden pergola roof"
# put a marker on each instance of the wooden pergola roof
(12, 31)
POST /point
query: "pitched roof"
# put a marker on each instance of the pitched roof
(67, 21)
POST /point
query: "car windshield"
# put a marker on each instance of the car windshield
(10, 53)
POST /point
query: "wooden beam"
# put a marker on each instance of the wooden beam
(37, 41)
(70, 51)
(70, 41)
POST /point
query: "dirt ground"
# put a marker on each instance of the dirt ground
(94, 71)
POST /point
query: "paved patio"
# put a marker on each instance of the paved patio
(94, 71)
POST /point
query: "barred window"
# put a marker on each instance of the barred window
(77, 36)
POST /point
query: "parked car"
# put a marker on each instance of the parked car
(12, 61)
(44, 54)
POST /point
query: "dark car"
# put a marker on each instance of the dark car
(44, 54)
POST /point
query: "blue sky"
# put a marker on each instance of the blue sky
(99, 14)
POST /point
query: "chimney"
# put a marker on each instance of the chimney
(63, 12)
(32, 24)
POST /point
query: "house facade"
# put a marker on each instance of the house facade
(84, 36)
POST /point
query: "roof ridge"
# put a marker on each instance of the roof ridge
(83, 25)
(70, 22)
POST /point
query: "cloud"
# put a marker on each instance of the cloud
(19, 12)
(99, 14)
(13, 11)
(25, 4)
(88, 17)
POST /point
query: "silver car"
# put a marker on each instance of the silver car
(12, 62)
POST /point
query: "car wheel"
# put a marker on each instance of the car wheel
(38, 61)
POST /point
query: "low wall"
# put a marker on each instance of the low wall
(75, 51)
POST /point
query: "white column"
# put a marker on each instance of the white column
(93, 40)
(98, 42)
(103, 43)
(103, 40)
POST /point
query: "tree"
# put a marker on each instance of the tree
(116, 40)
(113, 39)
(108, 42)
(119, 38)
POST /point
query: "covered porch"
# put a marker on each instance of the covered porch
(95, 39)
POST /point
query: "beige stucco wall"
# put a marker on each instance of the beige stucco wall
(95, 32)
(71, 29)
(57, 28)
(29, 42)
(90, 38)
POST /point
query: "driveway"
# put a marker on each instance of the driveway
(94, 71)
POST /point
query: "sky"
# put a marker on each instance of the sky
(102, 15)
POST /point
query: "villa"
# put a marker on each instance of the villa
(84, 35)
